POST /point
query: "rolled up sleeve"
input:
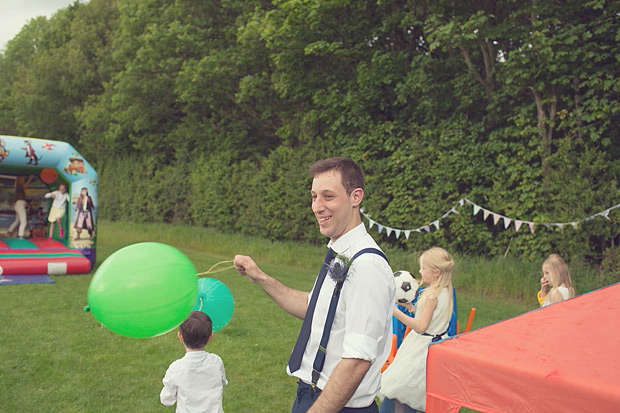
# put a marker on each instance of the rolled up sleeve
(369, 303)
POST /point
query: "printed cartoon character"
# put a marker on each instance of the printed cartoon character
(85, 207)
(3, 152)
(48, 146)
(76, 166)
(33, 159)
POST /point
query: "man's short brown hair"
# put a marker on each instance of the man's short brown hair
(351, 174)
(196, 330)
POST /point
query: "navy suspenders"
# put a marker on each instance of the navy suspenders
(319, 360)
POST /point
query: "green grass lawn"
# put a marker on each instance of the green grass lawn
(55, 357)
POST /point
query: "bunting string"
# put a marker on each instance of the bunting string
(505, 221)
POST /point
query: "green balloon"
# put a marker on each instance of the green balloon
(143, 290)
(215, 300)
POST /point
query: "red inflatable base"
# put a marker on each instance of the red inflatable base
(39, 256)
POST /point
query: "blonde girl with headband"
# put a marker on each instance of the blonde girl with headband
(403, 384)
(555, 284)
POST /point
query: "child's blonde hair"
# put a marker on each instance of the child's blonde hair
(559, 274)
(437, 259)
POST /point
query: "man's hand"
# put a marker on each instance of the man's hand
(292, 301)
(246, 266)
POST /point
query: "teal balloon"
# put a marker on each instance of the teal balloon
(143, 290)
(215, 300)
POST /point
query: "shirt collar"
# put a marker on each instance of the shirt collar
(195, 354)
(347, 240)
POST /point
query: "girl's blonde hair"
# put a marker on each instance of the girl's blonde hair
(437, 259)
(559, 274)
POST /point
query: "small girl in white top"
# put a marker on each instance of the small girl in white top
(57, 210)
(403, 384)
(555, 284)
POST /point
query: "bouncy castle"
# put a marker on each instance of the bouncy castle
(30, 170)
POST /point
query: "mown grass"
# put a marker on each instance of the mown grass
(55, 357)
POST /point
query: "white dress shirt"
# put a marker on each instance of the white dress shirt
(363, 322)
(195, 382)
(59, 199)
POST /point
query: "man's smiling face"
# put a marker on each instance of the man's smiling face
(334, 210)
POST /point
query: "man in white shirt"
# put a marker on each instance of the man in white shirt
(359, 336)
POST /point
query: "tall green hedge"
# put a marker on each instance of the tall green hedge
(210, 112)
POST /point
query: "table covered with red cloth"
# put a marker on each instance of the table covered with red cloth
(564, 357)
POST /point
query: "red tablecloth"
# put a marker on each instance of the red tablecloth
(564, 357)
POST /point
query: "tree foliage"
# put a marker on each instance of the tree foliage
(210, 112)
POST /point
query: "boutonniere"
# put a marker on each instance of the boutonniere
(339, 268)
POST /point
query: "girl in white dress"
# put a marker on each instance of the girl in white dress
(403, 384)
(555, 284)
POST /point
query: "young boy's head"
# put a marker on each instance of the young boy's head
(196, 331)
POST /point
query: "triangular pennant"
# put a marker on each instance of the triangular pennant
(477, 209)
(518, 224)
(426, 228)
(507, 222)
(397, 233)
(454, 211)
(407, 232)
(371, 223)
(379, 228)
(435, 223)
(461, 202)
(574, 224)
(561, 226)
(418, 230)
(485, 214)
(496, 218)
(388, 231)
(362, 210)
(531, 225)
(605, 213)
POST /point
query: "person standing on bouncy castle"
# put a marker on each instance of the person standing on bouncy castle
(343, 341)
(57, 210)
(19, 199)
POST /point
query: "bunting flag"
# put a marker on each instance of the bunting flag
(496, 218)
(518, 225)
(507, 221)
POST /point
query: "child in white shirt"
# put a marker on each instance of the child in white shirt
(196, 381)
(57, 210)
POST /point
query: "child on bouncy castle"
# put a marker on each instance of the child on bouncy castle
(57, 210)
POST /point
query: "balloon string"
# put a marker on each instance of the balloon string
(213, 269)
